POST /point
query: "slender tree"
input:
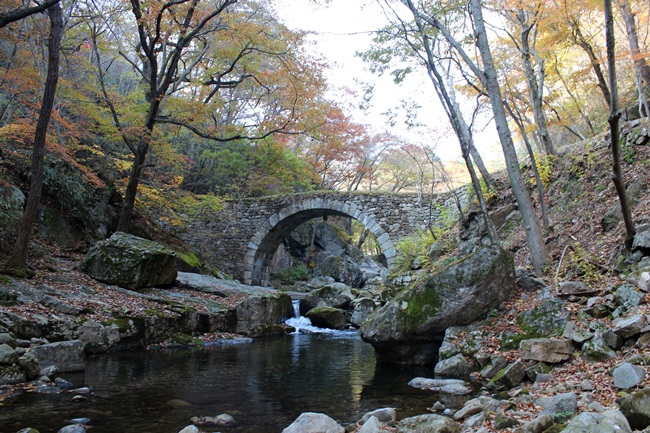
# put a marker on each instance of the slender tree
(614, 117)
(488, 78)
(641, 67)
(18, 261)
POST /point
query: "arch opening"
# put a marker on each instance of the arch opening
(264, 244)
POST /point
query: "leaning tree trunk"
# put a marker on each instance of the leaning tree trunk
(532, 226)
(535, 88)
(533, 161)
(478, 160)
(614, 117)
(18, 260)
(579, 38)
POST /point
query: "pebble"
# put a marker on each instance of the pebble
(78, 421)
(63, 384)
(82, 390)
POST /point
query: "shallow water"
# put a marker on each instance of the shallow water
(264, 385)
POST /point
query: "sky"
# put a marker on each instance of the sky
(340, 29)
(343, 27)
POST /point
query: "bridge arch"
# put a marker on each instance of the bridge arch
(262, 246)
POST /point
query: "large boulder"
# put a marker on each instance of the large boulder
(12, 202)
(361, 309)
(427, 423)
(310, 422)
(611, 421)
(636, 408)
(327, 317)
(257, 315)
(336, 295)
(547, 319)
(130, 262)
(551, 350)
(410, 327)
(66, 356)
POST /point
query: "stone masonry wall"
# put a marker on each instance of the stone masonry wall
(233, 238)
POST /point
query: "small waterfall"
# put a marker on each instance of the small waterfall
(297, 321)
(303, 324)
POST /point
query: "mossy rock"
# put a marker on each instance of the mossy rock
(548, 319)
(186, 340)
(327, 317)
(456, 296)
(130, 262)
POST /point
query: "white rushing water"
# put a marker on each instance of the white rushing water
(303, 324)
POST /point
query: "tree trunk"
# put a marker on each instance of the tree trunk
(476, 157)
(532, 226)
(641, 66)
(18, 260)
(579, 38)
(535, 87)
(614, 117)
(531, 154)
(128, 204)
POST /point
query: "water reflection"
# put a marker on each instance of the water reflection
(265, 385)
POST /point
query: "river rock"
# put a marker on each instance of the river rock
(494, 366)
(574, 288)
(255, 314)
(574, 333)
(456, 366)
(130, 262)
(529, 281)
(10, 375)
(73, 428)
(509, 377)
(67, 356)
(310, 422)
(636, 408)
(547, 319)
(327, 317)
(611, 421)
(426, 424)
(596, 350)
(446, 386)
(628, 296)
(361, 309)
(642, 238)
(223, 420)
(7, 354)
(29, 363)
(629, 326)
(372, 425)
(335, 295)
(551, 350)
(628, 376)
(537, 425)
(561, 407)
(190, 429)
(386, 415)
(476, 405)
(408, 329)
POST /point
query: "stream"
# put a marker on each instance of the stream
(265, 385)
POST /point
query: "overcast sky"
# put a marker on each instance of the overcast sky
(343, 27)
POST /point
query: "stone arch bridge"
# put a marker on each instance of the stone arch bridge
(242, 238)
